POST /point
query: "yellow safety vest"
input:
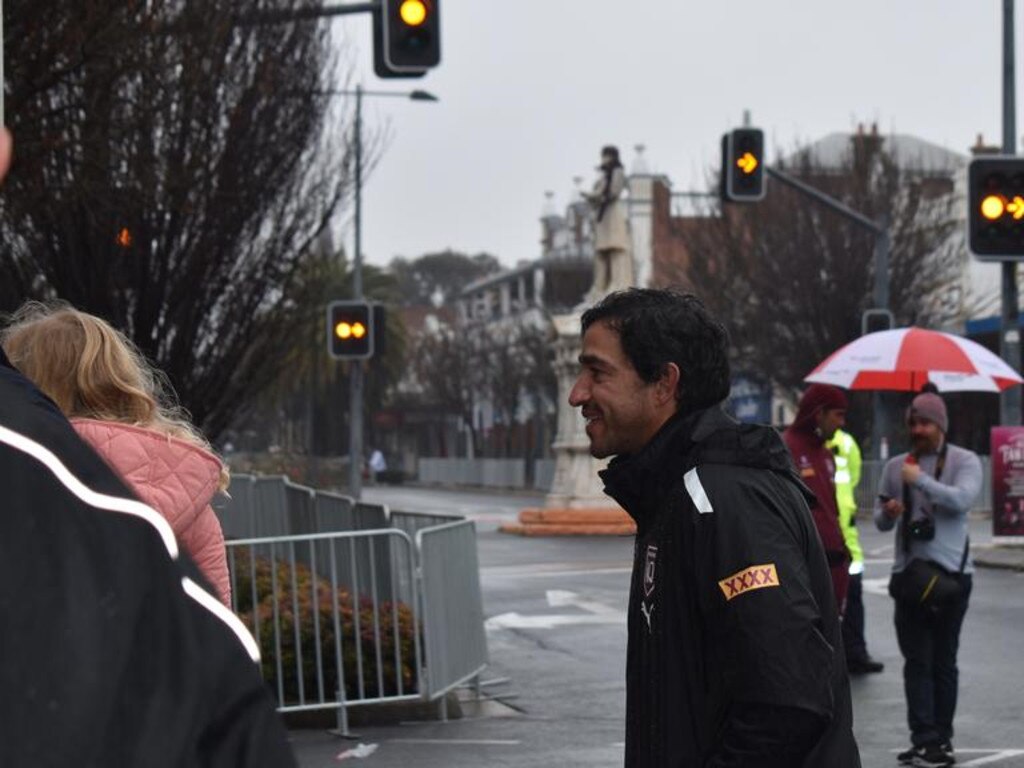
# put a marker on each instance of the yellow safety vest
(847, 456)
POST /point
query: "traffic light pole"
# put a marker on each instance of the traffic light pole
(355, 402)
(356, 370)
(883, 247)
(1009, 338)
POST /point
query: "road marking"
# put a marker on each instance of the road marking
(878, 586)
(559, 598)
(990, 756)
(514, 620)
(545, 572)
(999, 756)
(596, 613)
(456, 742)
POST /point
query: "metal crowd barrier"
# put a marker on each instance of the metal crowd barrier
(352, 604)
(455, 649)
(328, 639)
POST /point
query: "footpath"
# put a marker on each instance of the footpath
(1005, 556)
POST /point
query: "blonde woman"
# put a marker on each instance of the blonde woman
(118, 404)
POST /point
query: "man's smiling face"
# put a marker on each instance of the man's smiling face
(623, 412)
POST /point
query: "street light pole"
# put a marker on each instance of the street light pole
(356, 372)
(1009, 337)
(355, 404)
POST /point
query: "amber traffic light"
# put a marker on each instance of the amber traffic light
(995, 215)
(743, 178)
(350, 330)
(407, 37)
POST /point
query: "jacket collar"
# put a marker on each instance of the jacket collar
(638, 481)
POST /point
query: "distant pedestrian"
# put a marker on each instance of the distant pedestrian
(734, 653)
(847, 457)
(377, 465)
(117, 404)
(930, 491)
(821, 412)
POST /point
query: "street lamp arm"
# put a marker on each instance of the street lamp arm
(413, 95)
(307, 14)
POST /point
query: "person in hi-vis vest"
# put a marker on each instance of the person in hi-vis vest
(847, 457)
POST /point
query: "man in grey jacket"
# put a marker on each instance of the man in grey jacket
(930, 491)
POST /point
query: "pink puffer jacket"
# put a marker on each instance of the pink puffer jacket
(177, 479)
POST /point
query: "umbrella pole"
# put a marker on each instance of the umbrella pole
(878, 426)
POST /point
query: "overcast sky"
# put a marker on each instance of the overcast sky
(531, 89)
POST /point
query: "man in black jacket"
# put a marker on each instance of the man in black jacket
(735, 658)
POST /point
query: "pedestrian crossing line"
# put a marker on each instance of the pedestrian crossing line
(999, 756)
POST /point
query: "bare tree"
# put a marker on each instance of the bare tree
(516, 366)
(791, 279)
(449, 372)
(174, 166)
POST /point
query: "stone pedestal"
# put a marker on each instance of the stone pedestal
(576, 504)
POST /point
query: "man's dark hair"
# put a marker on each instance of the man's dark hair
(657, 327)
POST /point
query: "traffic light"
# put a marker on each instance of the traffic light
(995, 217)
(743, 178)
(406, 38)
(350, 327)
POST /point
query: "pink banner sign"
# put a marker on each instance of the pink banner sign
(1008, 481)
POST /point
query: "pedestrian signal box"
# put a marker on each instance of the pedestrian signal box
(743, 172)
(350, 330)
(407, 37)
(995, 216)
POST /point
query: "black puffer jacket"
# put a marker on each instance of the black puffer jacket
(735, 656)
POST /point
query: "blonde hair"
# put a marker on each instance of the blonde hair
(91, 370)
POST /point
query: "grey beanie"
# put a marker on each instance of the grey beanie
(931, 407)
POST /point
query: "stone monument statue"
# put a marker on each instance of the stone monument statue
(613, 248)
(576, 503)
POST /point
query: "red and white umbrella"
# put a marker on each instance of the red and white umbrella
(905, 358)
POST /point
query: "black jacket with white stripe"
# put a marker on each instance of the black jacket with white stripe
(111, 654)
(735, 656)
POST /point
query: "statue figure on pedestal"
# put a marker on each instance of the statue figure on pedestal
(613, 259)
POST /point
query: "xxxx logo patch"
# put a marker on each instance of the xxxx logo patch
(754, 577)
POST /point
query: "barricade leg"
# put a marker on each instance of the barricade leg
(342, 729)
